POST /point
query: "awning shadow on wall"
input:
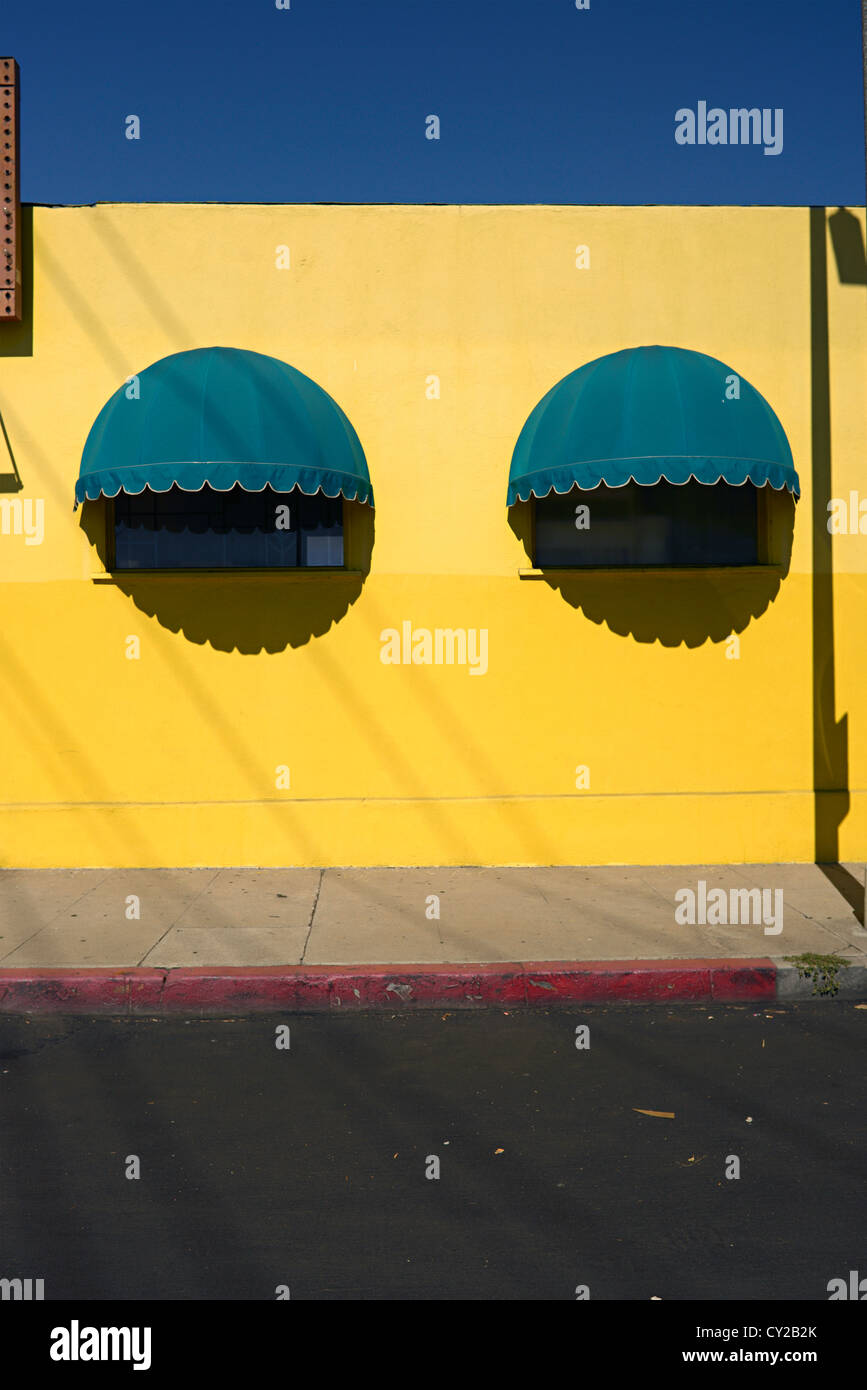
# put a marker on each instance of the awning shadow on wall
(245, 612)
(666, 606)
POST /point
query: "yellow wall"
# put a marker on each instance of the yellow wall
(170, 759)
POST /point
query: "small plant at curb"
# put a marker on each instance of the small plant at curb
(822, 970)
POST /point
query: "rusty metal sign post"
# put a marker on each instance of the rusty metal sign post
(10, 220)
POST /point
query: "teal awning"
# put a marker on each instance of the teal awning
(650, 413)
(222, 416)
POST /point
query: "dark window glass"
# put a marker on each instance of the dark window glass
(692, 524)
(227, 530)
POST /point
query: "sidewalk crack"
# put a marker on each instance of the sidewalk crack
(312, 914)
(45, 925)
(175, 920)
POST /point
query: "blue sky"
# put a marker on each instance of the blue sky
(538, 102)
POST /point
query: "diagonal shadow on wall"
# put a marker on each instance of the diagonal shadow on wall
(9, 482)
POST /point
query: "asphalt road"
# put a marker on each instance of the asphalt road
(306, 1167)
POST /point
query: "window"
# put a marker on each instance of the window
(690, 524)
(227, 530)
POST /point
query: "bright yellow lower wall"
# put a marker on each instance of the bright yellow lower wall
(171, 759)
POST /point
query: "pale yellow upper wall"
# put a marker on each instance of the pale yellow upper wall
(379, 298)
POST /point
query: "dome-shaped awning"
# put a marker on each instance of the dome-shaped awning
(650, 413)
(222, 416)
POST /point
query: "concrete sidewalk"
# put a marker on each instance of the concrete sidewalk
(244, 918)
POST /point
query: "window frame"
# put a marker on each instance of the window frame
(769, 542)
(353, 538)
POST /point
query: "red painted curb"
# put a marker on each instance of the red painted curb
(148, 991)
